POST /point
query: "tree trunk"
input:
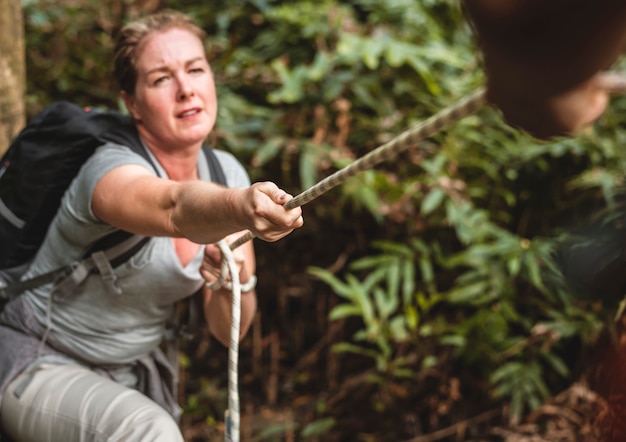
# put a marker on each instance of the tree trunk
(12, 71)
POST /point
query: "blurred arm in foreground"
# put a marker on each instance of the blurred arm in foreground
(542, 58)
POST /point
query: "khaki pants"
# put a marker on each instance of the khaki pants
(71, 403)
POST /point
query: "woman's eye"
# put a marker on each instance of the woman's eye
(159, 80)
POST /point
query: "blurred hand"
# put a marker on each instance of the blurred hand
(565, 113)
(270, 221)
(211, 266)
(542, 58)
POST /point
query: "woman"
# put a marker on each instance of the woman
(88, 366)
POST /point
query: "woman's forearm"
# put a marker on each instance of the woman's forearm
(205, 213)
(218, 313)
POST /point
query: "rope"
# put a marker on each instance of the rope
(232, 416)
(465, 106)
(453, 113)
(611, 81)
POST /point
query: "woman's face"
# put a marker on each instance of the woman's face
(175, 102)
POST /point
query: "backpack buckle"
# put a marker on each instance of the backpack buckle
(70, 277)
(106, 272)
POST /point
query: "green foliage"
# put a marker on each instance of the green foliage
(460, 256)
(60, 69)
(523, 383)
(387, 302)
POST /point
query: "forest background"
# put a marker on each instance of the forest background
(424, 299)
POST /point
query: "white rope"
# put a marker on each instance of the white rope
(232, 416)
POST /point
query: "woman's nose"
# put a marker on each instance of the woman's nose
(185, 89)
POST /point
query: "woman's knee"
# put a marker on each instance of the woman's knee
(73, 403)
(149, 425)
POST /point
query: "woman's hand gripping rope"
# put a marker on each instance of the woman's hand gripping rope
(272, 220)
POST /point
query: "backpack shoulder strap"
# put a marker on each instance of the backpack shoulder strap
(215, 168)
(116, 248)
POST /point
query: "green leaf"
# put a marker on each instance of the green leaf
(344, 347)
(308, 167)
(318, 427)
(556, 363)
(386, 303)
(454, 340)
(514, 264)
(468, 292)
(433, 200)
(408, 281)
(341, 289)
(393, 281)
(411, 317)
(276, 429)
(372, 50)
(398, 329)
(361, 298)
(426, 269)
(344, 310)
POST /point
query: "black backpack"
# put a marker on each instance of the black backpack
(36, 170)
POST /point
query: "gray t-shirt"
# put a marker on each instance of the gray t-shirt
(94, 325)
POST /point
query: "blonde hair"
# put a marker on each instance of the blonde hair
(133, 34)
